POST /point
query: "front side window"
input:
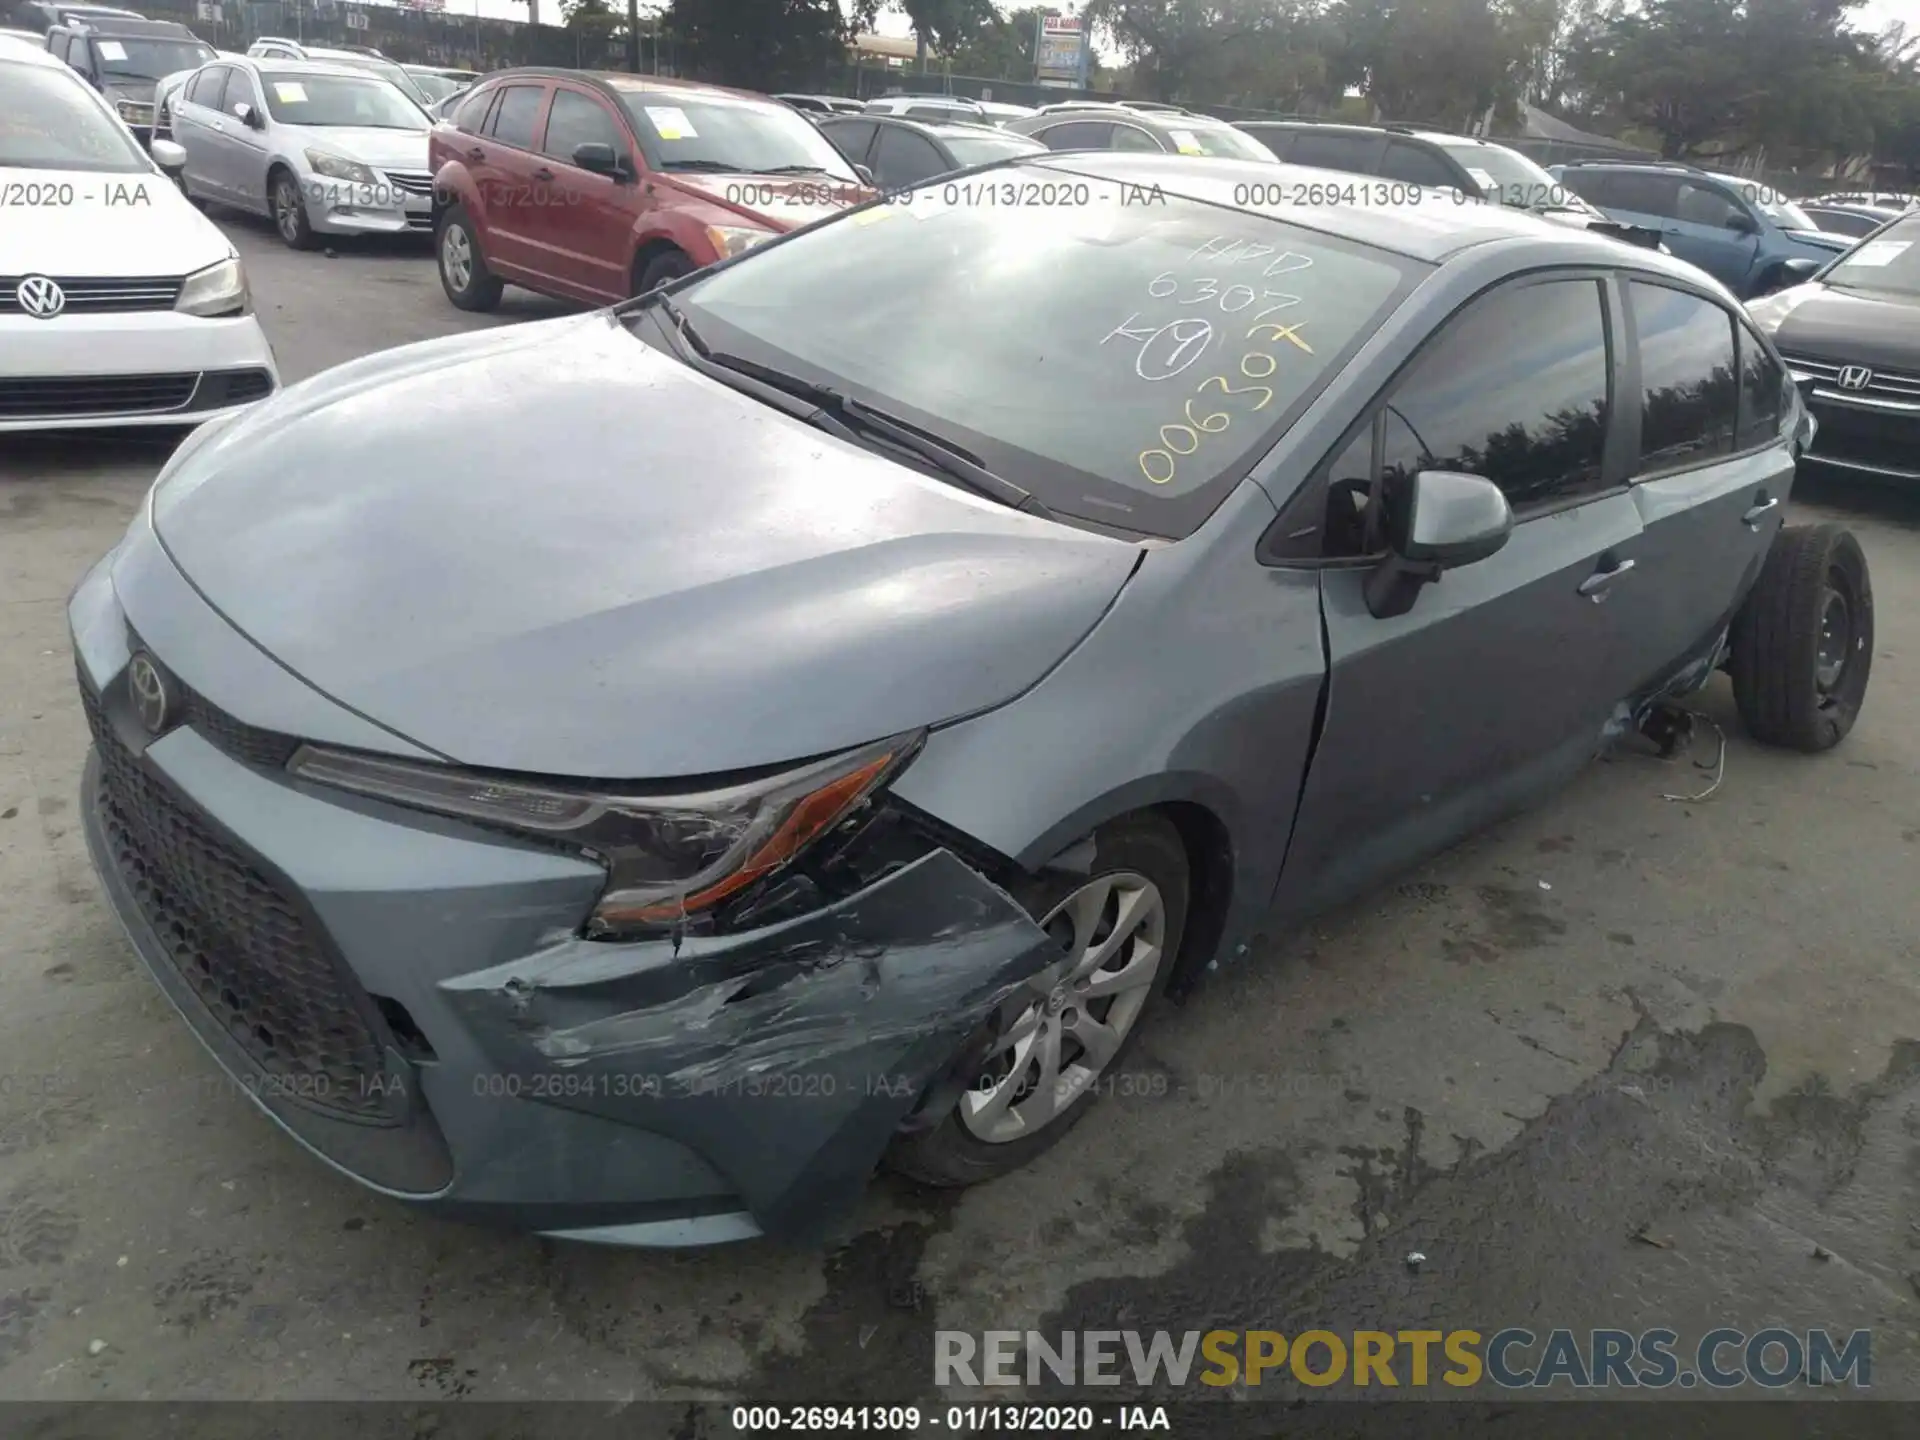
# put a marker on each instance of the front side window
(1127, 364)
(1515, 389)
(1414, 166)
(1354, 153)
(1078, 135)
(984, 147)
(325, 101)
(577, 120)
(852, 137)
(903, 158)
(50, 120)
(1689, 390)
(1644, 192)
(1132, 137)
(1705, 205)
(696, 130)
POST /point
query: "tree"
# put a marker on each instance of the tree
(764, 44)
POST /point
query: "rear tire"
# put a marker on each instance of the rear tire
(464, 275)
(1137, 890)
(1802, 644)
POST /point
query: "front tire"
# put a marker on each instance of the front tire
(464, 275)
(661, 269)
(290, 212)
(1119, 928)
(1802, 644)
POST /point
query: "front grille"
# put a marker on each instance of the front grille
(245, 950)
(93, 296)
(1885, 384)
(1876, 439)
(249, 744)
(414, 182)
(72, 397)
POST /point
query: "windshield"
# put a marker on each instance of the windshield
(436, 87)
(149, 59)
(1219, 140)
(49, 120)
(1513, 180)
(1889, 263)
(1125, 363)
(979, 149)
(406, 84)
(1775, 206)
(340, 100)
(699, 131)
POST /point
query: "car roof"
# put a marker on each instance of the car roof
(941, 129)
(1430, 229)
(128, 28)
(621, 81)
(23, 52)
(301, 67)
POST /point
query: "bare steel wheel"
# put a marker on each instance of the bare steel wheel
(1116, 932)
(1057, 1042)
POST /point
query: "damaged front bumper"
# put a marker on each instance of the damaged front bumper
(411, 999)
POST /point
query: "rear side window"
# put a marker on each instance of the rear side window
(1416, 166)
(1688, 390)
(1644, 193)
(1077, 135)
(209, 88)
(519, 111)
(1336, 152)
(1763, 393)
(1275, 139)
(473, 111)
(1516, 389)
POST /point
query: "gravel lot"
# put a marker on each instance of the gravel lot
(1617, 1014)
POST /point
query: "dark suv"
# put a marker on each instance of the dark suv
(1747, 236)
(124, 59)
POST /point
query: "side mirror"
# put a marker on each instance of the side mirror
(247, 115)
(599, 158)
(1437, 521)
(866, 175)
(169, 155)
(1742, 223)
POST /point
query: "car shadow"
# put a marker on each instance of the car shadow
(1889, 503)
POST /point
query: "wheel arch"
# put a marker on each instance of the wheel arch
(650, 247)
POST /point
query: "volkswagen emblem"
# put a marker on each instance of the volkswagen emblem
(40, 297)
(1855, 377)
(152, 696)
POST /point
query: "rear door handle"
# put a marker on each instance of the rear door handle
(1597, 585)
(1760, 512)
(477, 152)
(543, 173)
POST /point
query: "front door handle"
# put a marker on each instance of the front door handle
(477, 152)
(1760, 512)
(1597, 585)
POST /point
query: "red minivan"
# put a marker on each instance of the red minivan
(598, 187)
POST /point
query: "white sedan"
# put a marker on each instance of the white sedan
(120, 304)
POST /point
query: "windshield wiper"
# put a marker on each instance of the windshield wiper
(794, 170)
(718, 166)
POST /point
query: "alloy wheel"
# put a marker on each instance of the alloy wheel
(456, 257)
(286, 211)
(1062, 1029)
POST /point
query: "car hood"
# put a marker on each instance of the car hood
(1874, 329)
(783, 201)
(125, 223)
(1820, 239)
(387, 149)
(555, 549)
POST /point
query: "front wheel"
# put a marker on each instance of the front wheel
(290, 213)
(1802, 644)
(659, 270)
(1057, 1041)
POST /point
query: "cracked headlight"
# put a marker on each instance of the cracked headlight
(668, 856)
(220, 289)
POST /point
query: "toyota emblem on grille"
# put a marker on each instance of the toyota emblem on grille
(152, 696)
(40, 297)
(1855, 377)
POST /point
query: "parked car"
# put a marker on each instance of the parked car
(513, 856)
(1891, 199)
(1852, 221)
(123, 59)
(822, 104)
(1748, 237)
(1122, 127)
(321, 148)
(439, 85)
(39, 17)
(928, 107)
(1461, 165)
(901, 153)
(1851, 339)
(119, 304)
(270, 47)
(601, 186)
